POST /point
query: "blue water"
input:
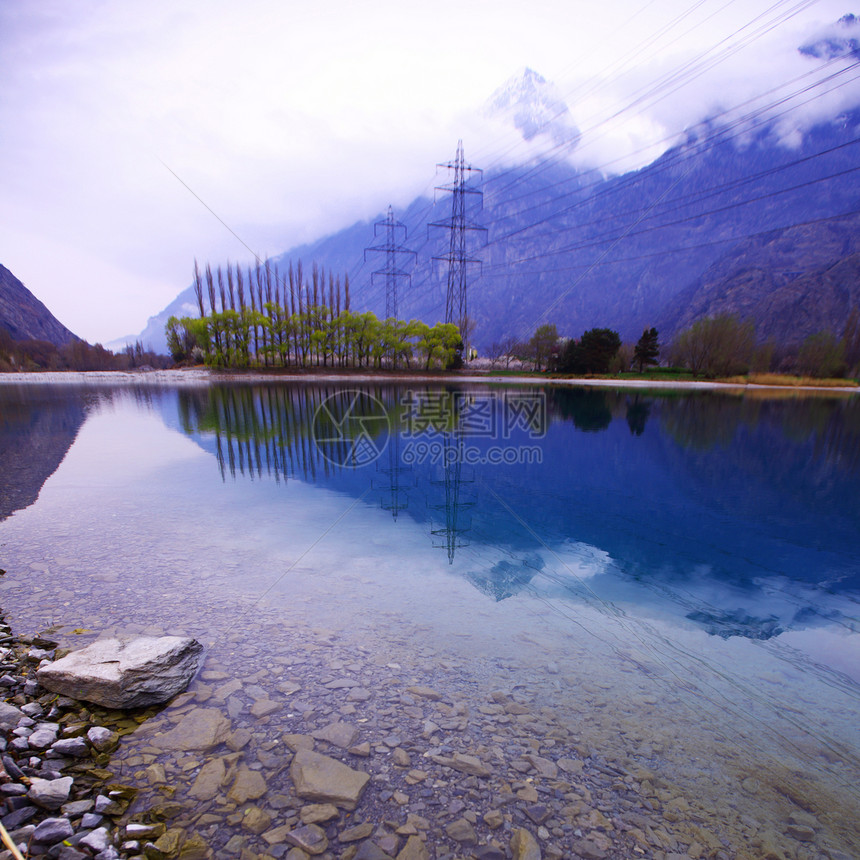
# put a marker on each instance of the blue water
(730, 499)
(688, 563)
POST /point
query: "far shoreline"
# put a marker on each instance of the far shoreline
(202, 377)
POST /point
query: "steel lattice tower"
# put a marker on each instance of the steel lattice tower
(391, 249)
(457, 524)
(458, 225)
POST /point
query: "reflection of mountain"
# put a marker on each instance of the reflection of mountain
(736, 513)
(737, 623)
(506, 578)
(37, 425)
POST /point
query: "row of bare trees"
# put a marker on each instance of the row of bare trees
(255, 317)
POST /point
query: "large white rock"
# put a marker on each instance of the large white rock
(125, 673)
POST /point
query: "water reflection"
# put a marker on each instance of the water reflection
(734, 514)
(663, 609)
(37, 428)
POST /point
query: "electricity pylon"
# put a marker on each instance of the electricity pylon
(458, 225)
(391, 249)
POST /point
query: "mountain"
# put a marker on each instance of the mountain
(153, 337)
(24, 317)
(534, 107)
(840, 40)
(793, 283)
(732, 220)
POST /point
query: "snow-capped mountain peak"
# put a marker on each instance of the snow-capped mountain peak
(841, 39)
(536, 109)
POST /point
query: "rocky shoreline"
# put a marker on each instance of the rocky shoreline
(348, 758)
(430, 800)
(58, 801)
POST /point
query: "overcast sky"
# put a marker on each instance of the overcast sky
(291, 120)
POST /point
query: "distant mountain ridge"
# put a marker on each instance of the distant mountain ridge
(726, 222)
(24, 317)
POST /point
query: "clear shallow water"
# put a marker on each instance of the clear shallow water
(667, 583)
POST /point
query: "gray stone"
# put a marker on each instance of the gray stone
(461, 831)
(53, 830)
(50, 793)
(208, 783)
(414, 849)
(200, 729)
(248, 785)
(340, 734)
(369, 851)
(102, 739)
(76, 747)
(69, 853)
(356, 832)
(524, 846)
(544, 766)
(97, 840)
(16, 818)
(488, 852)
(467, 764)
(800, 832)
(125, 673)
(425, 693)
(9, 716)
(309, 837)
(588, 850)
(318, 777)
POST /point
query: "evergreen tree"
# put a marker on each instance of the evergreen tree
(647, 349)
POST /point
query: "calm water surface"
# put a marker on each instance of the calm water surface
(666, 584)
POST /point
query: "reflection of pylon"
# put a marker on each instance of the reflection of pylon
(391, 249)
(397, 499)
(456, 297)
(456, 525)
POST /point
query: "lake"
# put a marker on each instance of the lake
(637, 610)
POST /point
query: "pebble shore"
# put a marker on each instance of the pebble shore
(343, 758)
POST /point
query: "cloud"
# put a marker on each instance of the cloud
(290, 120)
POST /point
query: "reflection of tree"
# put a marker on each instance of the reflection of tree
(705, 421)
(588, 409)
(830, 423)
(37, 428)
(284, 430)
(638, 411)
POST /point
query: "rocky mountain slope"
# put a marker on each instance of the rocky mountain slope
(24, 317)
(733, 220)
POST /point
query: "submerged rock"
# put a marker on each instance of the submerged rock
(125, 673)
(318, 777)
(524, 846)
(200, 729)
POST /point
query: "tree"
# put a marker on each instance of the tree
(647, 349)
(542, 343)
(822, 355)
(851, 342)
(716, 346)
(592, 353)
